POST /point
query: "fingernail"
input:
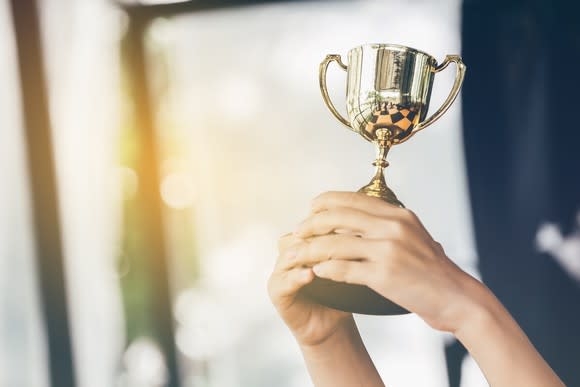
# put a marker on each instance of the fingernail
(316, 269)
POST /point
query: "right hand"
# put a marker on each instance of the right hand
(310, 323)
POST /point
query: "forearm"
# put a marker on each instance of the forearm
(342, 360)
(500, 347)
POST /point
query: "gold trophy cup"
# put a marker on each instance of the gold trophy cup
(387, 98)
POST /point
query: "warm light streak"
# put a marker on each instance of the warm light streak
(129, 181)
(177, 190)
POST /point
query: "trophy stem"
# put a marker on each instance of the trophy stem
(378, 187)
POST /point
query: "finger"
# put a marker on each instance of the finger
(358, 222)
(350, 272)
(356, 200)
(287, 258)
(284, 285)
(337, 247)
(287, 240)
(368, 204)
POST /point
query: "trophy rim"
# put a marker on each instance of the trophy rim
(397, 47)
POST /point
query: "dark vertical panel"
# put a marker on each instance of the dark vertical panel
(521, 133)
(149, 199)
(44, 193)
(455, 352)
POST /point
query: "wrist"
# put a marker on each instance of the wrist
(346, 333)
(500, 347)
(341, 359)
(481, 313)
(470, 302)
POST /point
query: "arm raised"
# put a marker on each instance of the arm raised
(329, 339)
(358, 239)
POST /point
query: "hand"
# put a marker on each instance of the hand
(353, 238)
(358, 239)
(311, 323)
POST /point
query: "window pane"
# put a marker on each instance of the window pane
(240, 112)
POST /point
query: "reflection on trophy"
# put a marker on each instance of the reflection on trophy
(387, 98)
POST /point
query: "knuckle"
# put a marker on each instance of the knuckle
(397, 229)
(438, 247)
(408, 215)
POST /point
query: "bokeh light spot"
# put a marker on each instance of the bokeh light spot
(177, 191)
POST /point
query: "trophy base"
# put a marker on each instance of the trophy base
(381, 192)
(350, 298)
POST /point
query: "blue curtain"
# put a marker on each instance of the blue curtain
(522, 144)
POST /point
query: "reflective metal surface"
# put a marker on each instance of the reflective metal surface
(387, 98)
(389, 86)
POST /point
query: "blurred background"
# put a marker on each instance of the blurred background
(152, 152)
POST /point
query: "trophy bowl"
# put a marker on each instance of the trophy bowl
(387, 98)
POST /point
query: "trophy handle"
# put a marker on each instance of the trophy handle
(459, 75)
(324, 90)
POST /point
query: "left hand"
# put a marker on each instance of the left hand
(358, 239)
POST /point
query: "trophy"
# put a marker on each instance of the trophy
(387, 98)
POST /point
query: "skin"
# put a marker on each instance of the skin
(353, 238)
